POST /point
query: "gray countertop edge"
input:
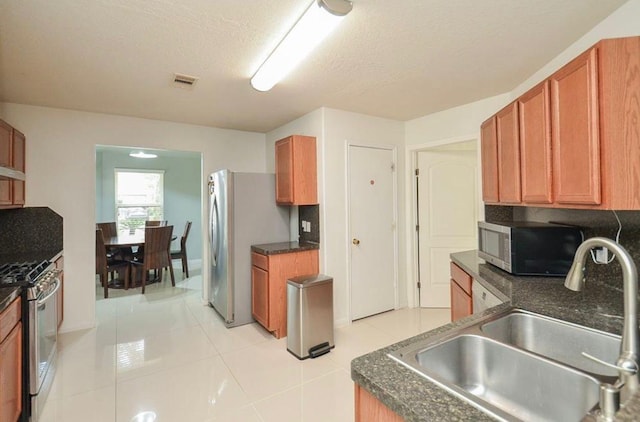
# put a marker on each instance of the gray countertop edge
(417, 399)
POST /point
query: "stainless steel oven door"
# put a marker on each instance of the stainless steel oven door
(43, 337)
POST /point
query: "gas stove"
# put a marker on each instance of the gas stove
(38, 276)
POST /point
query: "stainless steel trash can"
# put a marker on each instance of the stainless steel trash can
(310, 315)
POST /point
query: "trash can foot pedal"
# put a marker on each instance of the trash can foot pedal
(319, 350)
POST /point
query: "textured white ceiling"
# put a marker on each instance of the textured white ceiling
(396, 59)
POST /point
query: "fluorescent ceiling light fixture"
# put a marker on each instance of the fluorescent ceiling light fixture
(314, 25)
(141, 154)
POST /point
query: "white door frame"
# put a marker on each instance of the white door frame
(347, 239)
(413, 296)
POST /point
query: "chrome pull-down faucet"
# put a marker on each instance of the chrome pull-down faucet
(627, 363)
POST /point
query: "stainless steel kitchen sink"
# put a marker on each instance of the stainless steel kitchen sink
(508, 383)
(558, 340)
(516, 365)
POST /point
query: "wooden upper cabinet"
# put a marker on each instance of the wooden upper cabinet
(619, 82)
(579, 137)
(12, 155)
(296, 171)
(5, 161)
(508, 154)
(535, 145)
(489, 152)
(575, 131)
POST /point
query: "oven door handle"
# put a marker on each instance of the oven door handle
(53, 292)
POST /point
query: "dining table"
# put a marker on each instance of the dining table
(127, 240)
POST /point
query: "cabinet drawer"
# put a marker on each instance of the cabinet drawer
(9, 318)
(260, 261)
(461, 277)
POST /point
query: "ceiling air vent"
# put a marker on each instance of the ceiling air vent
(184, 81)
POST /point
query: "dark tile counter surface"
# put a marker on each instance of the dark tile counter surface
(284, 247)
(7, 295)
(416, 399)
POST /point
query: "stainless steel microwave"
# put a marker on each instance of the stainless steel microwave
(529, 248)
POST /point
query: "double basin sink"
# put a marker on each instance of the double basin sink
(517, 365)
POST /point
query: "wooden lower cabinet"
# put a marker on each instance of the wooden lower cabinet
(11, 362)
(269, 274)
(370, 409)
(461, 300)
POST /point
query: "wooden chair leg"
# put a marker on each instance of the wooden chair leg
(173, 279)
(144, 280)
(105, 284)
(185, 265)
(127, 270)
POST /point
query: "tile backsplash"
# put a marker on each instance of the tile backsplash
(30, 229)
(593, 223)
(310, 215)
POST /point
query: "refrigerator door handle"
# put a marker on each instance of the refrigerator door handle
(213, 230)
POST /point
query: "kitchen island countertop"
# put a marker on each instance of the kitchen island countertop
(417, 399)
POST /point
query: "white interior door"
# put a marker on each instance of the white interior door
(447, 216)
(372, 228)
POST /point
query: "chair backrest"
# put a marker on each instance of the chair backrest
(156, 246)
(155, 223)
(101, 253)
(183, 239)
(108, 229)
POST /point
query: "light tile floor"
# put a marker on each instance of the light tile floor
(165, 356)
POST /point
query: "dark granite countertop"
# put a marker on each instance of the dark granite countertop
(7, 295)
(284, 247)
(416, 399)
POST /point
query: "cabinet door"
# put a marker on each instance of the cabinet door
(535, 145)
(11, 375)
(5, 161)
(284, 171)
(260, 296)
(370, 409)
(489, 151)
(18, 164)
(508, 154)
(461, 303)
(5, 144)
(575, 131)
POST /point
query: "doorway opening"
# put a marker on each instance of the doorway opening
(446, 206)
(131, 190)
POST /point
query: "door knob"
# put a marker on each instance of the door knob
(355, 241)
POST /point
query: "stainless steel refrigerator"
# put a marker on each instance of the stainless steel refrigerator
(242, 212)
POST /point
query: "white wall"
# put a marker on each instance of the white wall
(333, 129)
(61, 175)
(624, 22)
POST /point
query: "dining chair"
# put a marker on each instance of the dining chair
(155, 223)
(156, 254)
(182, 253)
(111, 230)
(108, 229)
(105, 265)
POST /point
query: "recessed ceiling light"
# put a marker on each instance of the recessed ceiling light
(141, 154)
